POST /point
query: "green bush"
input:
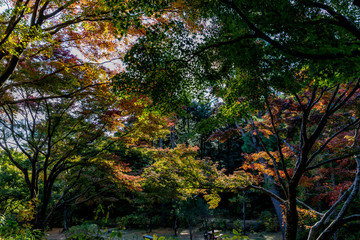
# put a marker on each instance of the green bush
(91, 232)
(84, 232)
(257, 227)
(10, 229)
(270, 221)
(220, 223)
(134, 221)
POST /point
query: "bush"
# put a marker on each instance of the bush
(134, 221)
(223, 224)
(257, 227)
(91, 232)
(84, 232)
(270, 221)
(10, 229)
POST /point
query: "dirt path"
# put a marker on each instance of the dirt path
(55, 234)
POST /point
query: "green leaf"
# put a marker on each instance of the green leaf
(113, 234)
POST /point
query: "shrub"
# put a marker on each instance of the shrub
(10, 229)
(134, 221)
(84, 232)
(91, 232)
(270, 221)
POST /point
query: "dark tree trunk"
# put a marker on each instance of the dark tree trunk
(67, 217)
(244, 213)
(175, 225)
(190, 229)
(163, 215)
(291, 214)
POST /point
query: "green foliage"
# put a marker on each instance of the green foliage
(159, 75)
(91, 232)
(248, 147)
(134, 221)
(104, 212)
(350, 231)
(220, 223)
(11, 229)
(270, 221)
(155, 237)
(192, 211)
(237, 235)
(13, 189)
(84, 232)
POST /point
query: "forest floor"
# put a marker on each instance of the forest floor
(57, 234)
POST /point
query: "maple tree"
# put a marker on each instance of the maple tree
(248, 52)
(311, 135)
(36, 130)
(176, 176)
(56, 136)
(52, 38)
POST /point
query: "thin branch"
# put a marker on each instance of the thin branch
(322, 147)
(269, 193)
(272, 159)
(352, 92)
(278, 141)
(340, 216)
(286, 49)
(61, 8)
(67, 95)
(332, 98)
(34, 13)
(342, 20)
(310, 208)
(332, 160)
(56, 28)
(296, 152)
(318, 99)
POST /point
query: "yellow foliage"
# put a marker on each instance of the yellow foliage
(27, 214)
(213, 200)
(305, 214)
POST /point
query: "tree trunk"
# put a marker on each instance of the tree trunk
(190, 229)
(67, 217)
(244, 214)
(175, 225)
(163, 215)
(291, 214)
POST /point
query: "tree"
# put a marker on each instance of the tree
(251, 52)
(176, 176)
(51, 138)
(41, 36)
(54, 136)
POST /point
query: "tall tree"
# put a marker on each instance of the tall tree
(247, 52)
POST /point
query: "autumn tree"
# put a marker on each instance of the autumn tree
(58, 136)
(176, 176)
(249, 52)
(39, 36)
